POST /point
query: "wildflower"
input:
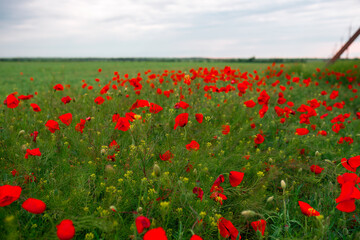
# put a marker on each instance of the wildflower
(142, 222)
(99, 100)
(32, 152)
(167, 156)
(58, 87)
(301, 131)
(259, 226)
(259, 139)
(156, 233)
(11, 101)
(351, 164)
(225, 129)
(193, 145)
(235, 178)
(199, 192)
(182, 105)
(33, 205)
(316, 169)
(181, 120)
(9, 194)
(250, 103)
(122, 124)
(307, 210)
(154, 108)
(227, 229)
(66, 118)
(52, 125)
(66, 99)
(199, 117)
(35, 107)
(65, 230)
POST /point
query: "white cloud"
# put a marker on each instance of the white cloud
(212, 28)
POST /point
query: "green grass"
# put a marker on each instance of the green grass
(74, 179)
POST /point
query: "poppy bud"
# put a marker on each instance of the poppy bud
(24, 147)
(113, 208)
(270, 199)
(109, 169)
(248, 213)
(195, 171)
(103, 151)
(300, 170)
(157, 170)
(139, 210)
(283, 184)
(21, 132)
(271, 160)
(317, 153)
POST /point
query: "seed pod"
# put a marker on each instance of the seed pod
(283, 184)
(157, 170)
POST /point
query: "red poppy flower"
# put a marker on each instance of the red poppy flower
(66, 99)
(227, 229)
(167, 156)
(199, 192)
(154, 108)
(9, 194)
(182, 105)
(80, 126)
(316, 169)
(35, 107)
(263, 98)
(140, 103)
(181, 120)
(155, 234)
(351, 164)
(218, 197)
(25, 97)
(52, 125)
(32, 152)
(11, 101)
(34, 206)
(193, 145)
(142, 222)
(199, 117)
(250, 103)
(225, 129)
(195, 237)
(307, 210)
(65, 230)
(122, 124)
(99, 100)
(220, 179)
(259, 139)
(34, 135)
(105, 89)
(235, 178)
(346, 200)
(66, 118)
(302, 131)
(114, 145)
(334, 94)
(259, 226)
(58, 87)
(14, 173)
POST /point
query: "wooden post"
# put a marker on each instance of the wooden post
(342, 50)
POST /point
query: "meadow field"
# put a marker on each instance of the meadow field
(179, 150)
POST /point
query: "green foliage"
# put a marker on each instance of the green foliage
(77, 180)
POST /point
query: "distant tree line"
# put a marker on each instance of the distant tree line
(151, 59)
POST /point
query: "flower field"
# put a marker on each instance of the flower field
(187, 150)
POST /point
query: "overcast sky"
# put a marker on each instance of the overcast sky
(177, 28)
